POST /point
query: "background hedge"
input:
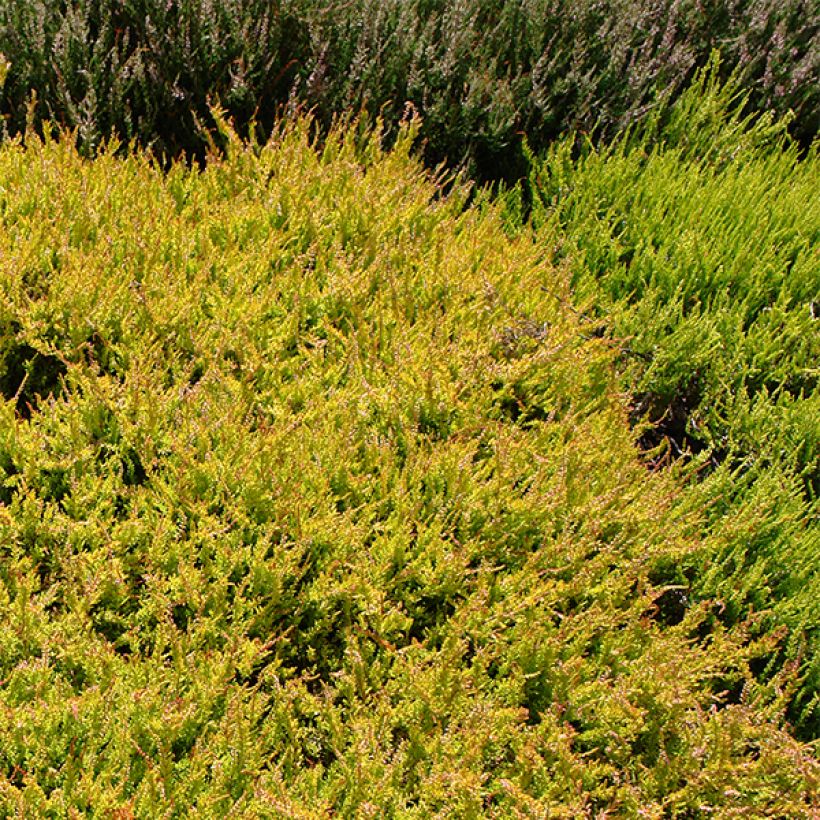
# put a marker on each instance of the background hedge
(480, 72)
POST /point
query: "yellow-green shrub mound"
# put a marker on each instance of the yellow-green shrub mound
(317, 495)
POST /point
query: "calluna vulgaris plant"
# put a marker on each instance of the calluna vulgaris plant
(694, 240)
(318, 494)
(481, 72)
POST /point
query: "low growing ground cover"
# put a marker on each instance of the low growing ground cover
(318, 493)
(694, 238)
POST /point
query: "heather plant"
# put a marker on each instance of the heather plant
(318, 494)
(484, 72)
(694, 239)
(147, 70)
(481, 72)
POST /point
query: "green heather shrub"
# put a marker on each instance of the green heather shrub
(481, 72)
(694, 239)
(319, 496)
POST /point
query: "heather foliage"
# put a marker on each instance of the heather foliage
(318, 493)
(145, 70)
(694, 239)
(481, 72)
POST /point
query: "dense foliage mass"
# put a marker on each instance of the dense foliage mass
(481, 72)
(318, 493)
(695, 240)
